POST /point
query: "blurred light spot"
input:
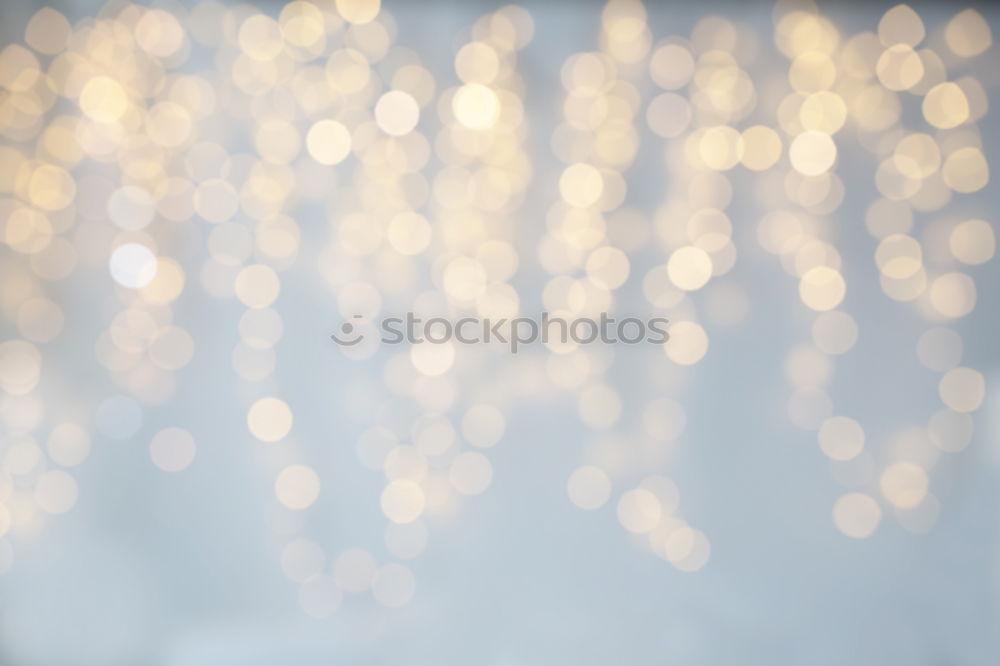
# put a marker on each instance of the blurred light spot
(639, 510)
(216, 200)
(856, 515)
(409, 233)
(483, 425)
(760, 148)
(56, 491)
(589, 487)
(939, 349)
(432, 359)
(402, 501)
(950, 431)
(68, 444)
(968, 34)
(688, 343)
(901, 25)
(966, 170)
(822, 288)
(48, 31)
(133, 265)
(945, 106)
(476, 106)
(834, 332)
(689, 268)
(669, 115)
(900, 67)
(172, 449)
(719, 147)
(687, 549)
(297, 487)
(20, 366)
(397, 113)
(812, 153)
(257, 286)
(159, 33)
(671, 66)
(104, 99)
(131, 207)
(972, 242)
(841, 438)
(904, 484)
(358, 12)
(269, 419)
(329, 142)
(962, 389)
(581, 185)
(953, 295)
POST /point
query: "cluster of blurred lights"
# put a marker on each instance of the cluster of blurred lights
(876, 79)
(340, 119)
(378, 237)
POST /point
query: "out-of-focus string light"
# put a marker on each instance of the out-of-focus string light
(913, 177)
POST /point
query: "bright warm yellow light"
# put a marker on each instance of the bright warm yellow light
(476, 106)
(269, 419)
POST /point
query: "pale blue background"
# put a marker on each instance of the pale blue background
(182, 569)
